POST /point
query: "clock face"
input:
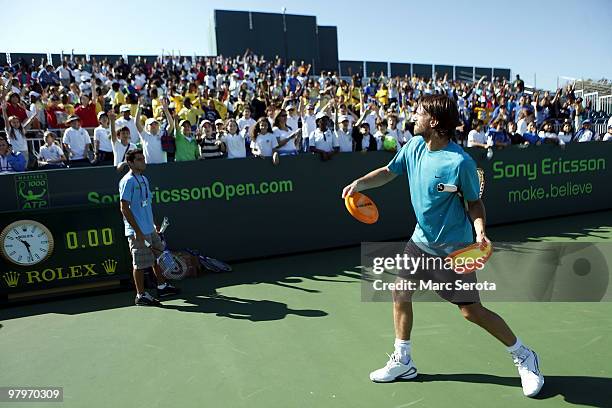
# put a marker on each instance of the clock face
(26, 242)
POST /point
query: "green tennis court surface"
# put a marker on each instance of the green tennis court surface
(292, 332)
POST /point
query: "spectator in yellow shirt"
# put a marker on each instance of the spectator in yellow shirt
(190, 112)
(382, 95)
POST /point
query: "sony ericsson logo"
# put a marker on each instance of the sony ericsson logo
(11, 279)
(546, 167)
(32, 191)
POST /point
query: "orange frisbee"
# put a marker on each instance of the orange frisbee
(467, 260)
(362, 208)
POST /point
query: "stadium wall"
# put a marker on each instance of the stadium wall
(241, 209)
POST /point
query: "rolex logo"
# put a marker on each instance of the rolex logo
(11, 279)
(110, 266)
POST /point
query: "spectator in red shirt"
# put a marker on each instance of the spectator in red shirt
(56, 115)
(86, 110)
(14, 107)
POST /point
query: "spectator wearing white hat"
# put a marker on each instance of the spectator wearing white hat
(127, 121)
(608, 136)
(292, 117)
(219, 128)
(103, 145)
(76, 141)
(151, 135)
(585, 134)
(343, 134)
(322, 140)
(121, 140)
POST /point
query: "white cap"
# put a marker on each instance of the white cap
(124, 108)
(321, 115)
(151, 121)
(342, 118)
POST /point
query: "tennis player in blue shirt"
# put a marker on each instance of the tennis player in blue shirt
(427, 160)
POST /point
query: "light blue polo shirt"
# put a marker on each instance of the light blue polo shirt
(135, 189)
(443, 225)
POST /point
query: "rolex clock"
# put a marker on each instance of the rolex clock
(26, 242)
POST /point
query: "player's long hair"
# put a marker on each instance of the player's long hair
(444, 109)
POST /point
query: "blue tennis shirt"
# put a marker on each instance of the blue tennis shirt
(443, 225)
(135, 190)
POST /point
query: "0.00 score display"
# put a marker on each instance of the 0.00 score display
(89, 239)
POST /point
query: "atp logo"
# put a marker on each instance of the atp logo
(32, 191)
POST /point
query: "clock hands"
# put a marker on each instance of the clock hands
(27, 245)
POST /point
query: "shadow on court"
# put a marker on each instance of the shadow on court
(589, 391)
(205, 294)
(593, 225)
(242, 309)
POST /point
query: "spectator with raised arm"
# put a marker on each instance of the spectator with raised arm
(120, 139)
(186, 144)
(16, 132)
(126, 120)
(151, 134)
(496, 135)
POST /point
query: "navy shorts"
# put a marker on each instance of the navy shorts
(449, 285)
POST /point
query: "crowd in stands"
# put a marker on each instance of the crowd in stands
(93, 112)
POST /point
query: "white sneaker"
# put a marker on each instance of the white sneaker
(528, 365)
(394, 370)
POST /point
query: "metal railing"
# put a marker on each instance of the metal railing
(592, 98)
(579, 93)
(605, 104)
(36, 138)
